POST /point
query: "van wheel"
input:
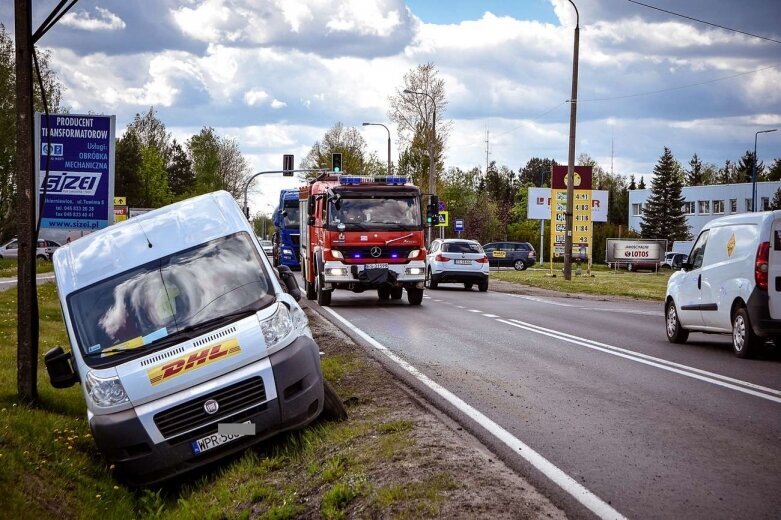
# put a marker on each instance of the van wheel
(396, 292)
(333, 407)
(414, 296)
(323, 296)
(744, 341)
(383, 292)
(675, 332)
(519, 265)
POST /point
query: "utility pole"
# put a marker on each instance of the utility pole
(27, 305)
(571, 161)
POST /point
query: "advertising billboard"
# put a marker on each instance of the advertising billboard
(78, 151)
(639, 251)
(538, 207)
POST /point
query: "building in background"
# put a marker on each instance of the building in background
(704, 203)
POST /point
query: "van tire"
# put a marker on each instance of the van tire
(675, 332)
(744, 341)
(333, 407)
(323, 296)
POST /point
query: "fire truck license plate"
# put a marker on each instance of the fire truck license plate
(376, 266)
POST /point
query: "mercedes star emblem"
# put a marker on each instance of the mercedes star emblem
(376, 252)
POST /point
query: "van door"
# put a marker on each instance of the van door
(690, 288)
(774, 270)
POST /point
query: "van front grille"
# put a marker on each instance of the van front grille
(230, 400)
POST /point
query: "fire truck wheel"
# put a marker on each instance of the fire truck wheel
(414, 296)
(333, 407)
(396, 292)
(310, 290)
(323, 296)
(383, 292)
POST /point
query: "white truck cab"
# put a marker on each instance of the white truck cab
(182, 338)
(731, 283)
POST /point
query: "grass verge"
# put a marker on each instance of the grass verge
(368, 466)
(603, 281)
(8, 267)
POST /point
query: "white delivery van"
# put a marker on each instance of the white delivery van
(731, 283)
(180, 330)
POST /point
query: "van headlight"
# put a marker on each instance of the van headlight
(277, 327)
(105, 392)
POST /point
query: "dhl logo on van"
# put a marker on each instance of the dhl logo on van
(199, 358)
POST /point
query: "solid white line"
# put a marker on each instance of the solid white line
(490, 315)
(649, 360)
(474, 310)
(547, 468)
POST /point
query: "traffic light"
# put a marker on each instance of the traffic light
(432, 211)
(287, 165)
(336, 162)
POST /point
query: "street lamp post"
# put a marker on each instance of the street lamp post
(571, 161)
(754, 170)
(432, 188)
(389, 143)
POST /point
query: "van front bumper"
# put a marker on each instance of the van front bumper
(124, 441)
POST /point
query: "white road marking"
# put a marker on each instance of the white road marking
(625, 311)
(540, 300)
(474, 310)
(460, 306)
(490, 315)
(709, 377)
(588, 499)
(437, 300)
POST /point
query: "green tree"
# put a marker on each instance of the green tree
(181, 179)
(233, 169)
(128, 160)
(54, 90)
(536, 171)
(776, 202)
(663, 215)
(745, 166)
(204, 153)
(153, 178)
(632, 184)
(414, 160)
(694, 176)
(728, 175)
(774, 173)
(151, 132)
(338, 139)
(641, 184)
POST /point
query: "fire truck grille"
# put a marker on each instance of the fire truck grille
(230, 400)
(388, 254)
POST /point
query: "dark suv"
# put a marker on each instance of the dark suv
(516, 254)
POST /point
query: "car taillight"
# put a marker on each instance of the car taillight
(532, 254)
(760, 266)
(483, 260)
(440, 258)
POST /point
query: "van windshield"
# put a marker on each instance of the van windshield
(184, 293)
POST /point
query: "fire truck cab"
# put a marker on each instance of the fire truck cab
(361, 233)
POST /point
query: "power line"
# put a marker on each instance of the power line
(680, 87)
(703, 21)
(536, 118)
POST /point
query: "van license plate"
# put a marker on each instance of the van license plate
(376, 266)
(212, 441)
(464, 262)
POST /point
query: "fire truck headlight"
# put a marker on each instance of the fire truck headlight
(414, 253)
(336, 271)
(277, 327)
(336, 254)
(105, 392)
(414, 270)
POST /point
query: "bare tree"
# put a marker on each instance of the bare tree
(233, 167)
(338, 139)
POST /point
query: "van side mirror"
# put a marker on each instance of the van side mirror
(289, 279)
(58, 365)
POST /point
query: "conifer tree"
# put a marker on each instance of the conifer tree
(776, 202)
(663, 214)
(632, 183)
(694, 176)
(641, 184)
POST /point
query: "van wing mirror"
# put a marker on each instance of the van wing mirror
(58, 365)
(289, 279)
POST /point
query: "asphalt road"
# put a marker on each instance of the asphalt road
(655, 430)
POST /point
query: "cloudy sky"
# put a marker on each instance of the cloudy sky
(276, 74)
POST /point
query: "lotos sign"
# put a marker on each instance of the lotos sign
(636, 251)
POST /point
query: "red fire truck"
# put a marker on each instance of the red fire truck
(361, 233)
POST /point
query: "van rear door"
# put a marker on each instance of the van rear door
(774, 268)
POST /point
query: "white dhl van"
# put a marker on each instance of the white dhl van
(731, 283)
(180, 329)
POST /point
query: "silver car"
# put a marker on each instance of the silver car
(268, 247)
(42, 252)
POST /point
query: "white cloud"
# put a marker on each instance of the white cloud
(277, 104)
(255, 97)
(104, 21)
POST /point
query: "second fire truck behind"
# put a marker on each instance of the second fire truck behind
(362, 233)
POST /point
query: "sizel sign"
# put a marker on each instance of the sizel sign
(78, 153)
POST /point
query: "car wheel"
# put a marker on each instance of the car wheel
(383, 293)
(675, 332)
(744, 341)
(483, 286)
(430, 283)
(396, 293)
(41, 257)
(468, 286)
(414, 296)
(519, 265)
(323, 296)
(333, 407)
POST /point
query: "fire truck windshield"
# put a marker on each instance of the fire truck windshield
(375, 213)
